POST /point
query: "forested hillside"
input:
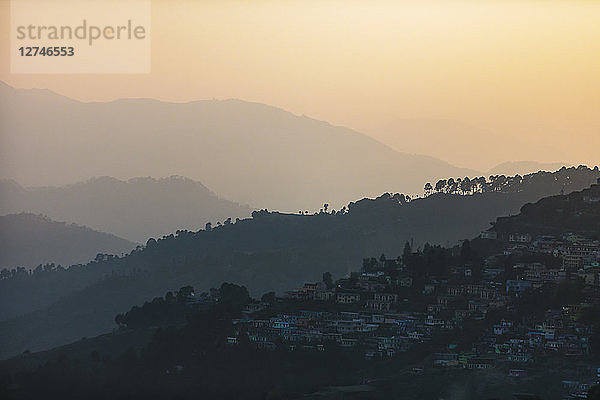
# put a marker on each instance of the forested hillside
(270, 251)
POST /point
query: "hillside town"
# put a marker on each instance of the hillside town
(386, 309)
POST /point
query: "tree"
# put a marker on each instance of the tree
(328, 280)
(466, 185)
(119, 319)
(465, 251)
(450, 187)
(440, 185)
(268, 297)
(369, 264)
(325, 206)
(407, 253)
(185, 292)
(234, 296)
(428, 188)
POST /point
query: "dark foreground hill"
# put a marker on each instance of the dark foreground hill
(135, 209)
(271, 251)
(29, 240)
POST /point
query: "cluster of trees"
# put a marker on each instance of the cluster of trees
(429, 260)
(37, 272)
(173, 308)
(564, 178)
(161, 311)
(50, 268)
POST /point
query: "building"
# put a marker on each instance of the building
(347, 298)
(517, 286)
(445, 360)
(493, 235)
(519, 237)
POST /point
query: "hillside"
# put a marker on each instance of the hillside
(270, 251)
(249, 152)
(577, 212)
(29, 240)
(135, 209)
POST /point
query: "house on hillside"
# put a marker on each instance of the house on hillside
(347, 298)
(519, 238)
(492, 235)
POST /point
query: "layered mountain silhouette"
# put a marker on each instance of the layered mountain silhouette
(135, 209)
(523, 167)
(29, 240)
(270, 251)
(463, 144)
(154, 336)
(248, 152)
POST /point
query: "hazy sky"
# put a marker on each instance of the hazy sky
(523, 70)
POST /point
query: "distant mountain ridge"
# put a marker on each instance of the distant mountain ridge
(248, 152)
(29, 240)
(461, 143)
(524, 167)
(135, 209)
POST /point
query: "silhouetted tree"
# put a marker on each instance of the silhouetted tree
(428, 188)
(328, 280)
(268, 297)
(233, 296)
(407, 253)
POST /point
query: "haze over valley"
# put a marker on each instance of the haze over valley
(135, 209)
(29, 240)
(247, 152)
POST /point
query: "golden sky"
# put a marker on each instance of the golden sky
(521, 70)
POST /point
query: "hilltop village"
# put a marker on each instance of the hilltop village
(532, 301)
(512, 313)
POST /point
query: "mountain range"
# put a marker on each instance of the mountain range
(248, 152)
(29, 240)
(523, 167)
(466, 145)
(135, 209)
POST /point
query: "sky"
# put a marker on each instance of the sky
(431, 77)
